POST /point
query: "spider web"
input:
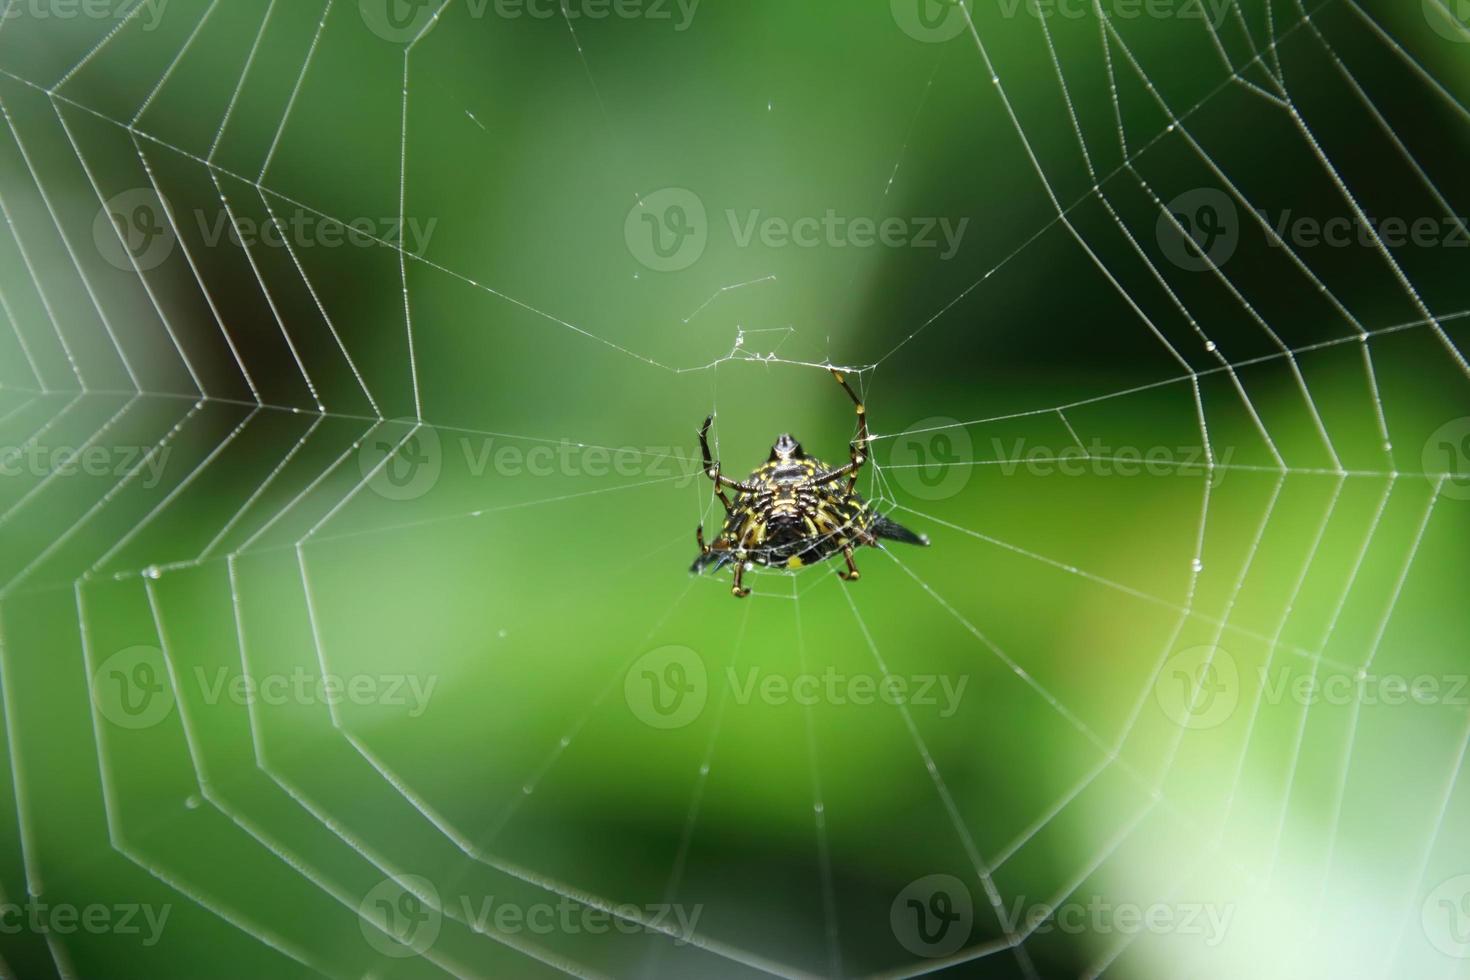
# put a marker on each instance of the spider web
(271, 393)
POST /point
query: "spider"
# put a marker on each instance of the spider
(795, 510)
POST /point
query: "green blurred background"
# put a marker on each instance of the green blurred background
(466, 480)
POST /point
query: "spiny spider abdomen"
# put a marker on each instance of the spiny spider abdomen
(795, 510)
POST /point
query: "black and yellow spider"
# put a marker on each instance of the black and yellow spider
(795, 510)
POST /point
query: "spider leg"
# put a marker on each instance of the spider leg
(852, 574)
(737, 590)
(857, 450)
(712, 469)
(861, 441)
(699, 537)
(739, 550)
(850, 470)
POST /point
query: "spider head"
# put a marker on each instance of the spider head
(786, 448)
